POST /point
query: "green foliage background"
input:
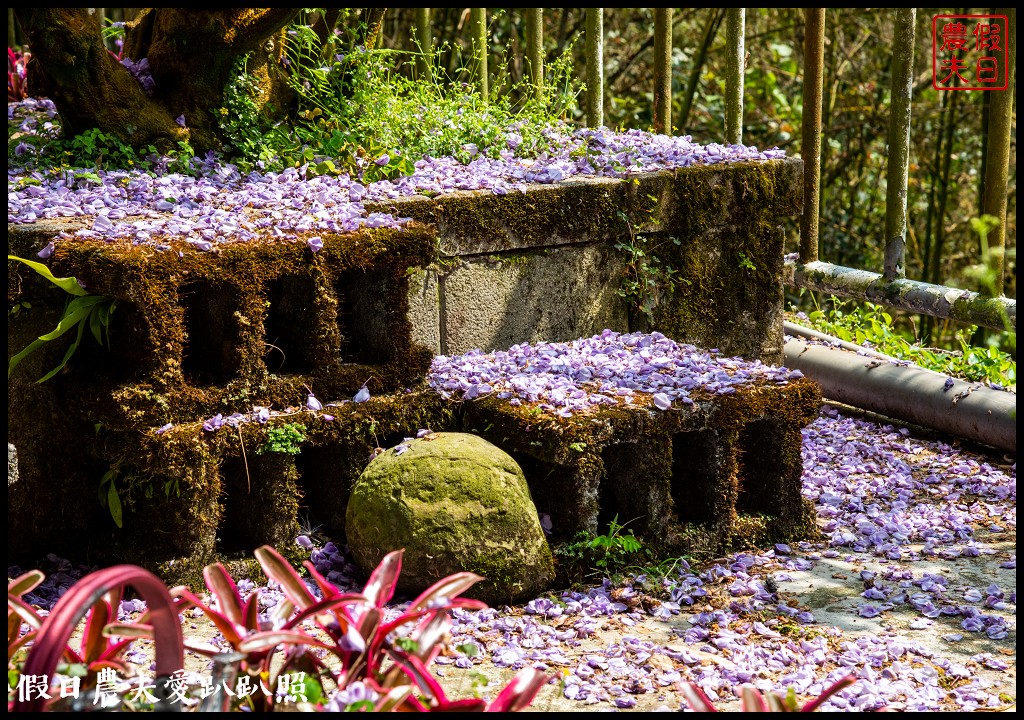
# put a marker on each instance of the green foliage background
(858, 53)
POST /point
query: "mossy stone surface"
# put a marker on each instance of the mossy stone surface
(454, 502)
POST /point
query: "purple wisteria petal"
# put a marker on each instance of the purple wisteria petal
(606, 369)
(278, 205)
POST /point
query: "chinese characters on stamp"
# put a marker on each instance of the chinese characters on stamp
(969, 52)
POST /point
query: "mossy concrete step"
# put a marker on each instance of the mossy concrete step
(695, 478)
(197, 332)
(692, 478)
(553, 263)
(190, 495)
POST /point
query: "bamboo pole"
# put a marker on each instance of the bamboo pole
(734, 26)
(594, 54)
(810, 132)
(663, 70)
(478, 31)
(425, 41)
(947, 142)
(901, 89)
(535, 49)
(997, 164)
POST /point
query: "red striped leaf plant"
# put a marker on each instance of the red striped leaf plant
(96, 598)
(363, 639)
(755, 701)
(390, 659)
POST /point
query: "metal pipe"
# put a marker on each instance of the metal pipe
(663, 70)
(800, 331)
(1000, 129)
(911, 394)
(594, 57)
(734, 66)
(810, 131)
(901, 89)
(936, 300)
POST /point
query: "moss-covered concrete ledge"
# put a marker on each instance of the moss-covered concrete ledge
(694, 479)
(548, 263)
(198, 333)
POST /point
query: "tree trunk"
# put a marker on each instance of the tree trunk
(190, 53)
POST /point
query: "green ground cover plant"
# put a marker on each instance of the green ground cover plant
(873, 326)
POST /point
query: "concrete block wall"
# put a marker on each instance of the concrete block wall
(695, 478)
(544, 264)
(262, 324)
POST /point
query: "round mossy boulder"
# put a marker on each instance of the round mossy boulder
(455, 502)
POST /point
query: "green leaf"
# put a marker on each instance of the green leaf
(468, 649)
(96, 325)
(407, 644)
(67, 355)
(32, 347)
(68, 284)
(76, 311)
(314, 691)
(631, 544)
(114, 503)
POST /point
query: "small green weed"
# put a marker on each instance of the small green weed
(69, 159)
(608, 554)
(285, 438)
(358, 114)
(645, 278)
(109, 496)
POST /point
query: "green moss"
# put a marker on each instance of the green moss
(502, 577)
(343, 309)
(728, 261)
(626, 463)
(452, 501)
(576, 211)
